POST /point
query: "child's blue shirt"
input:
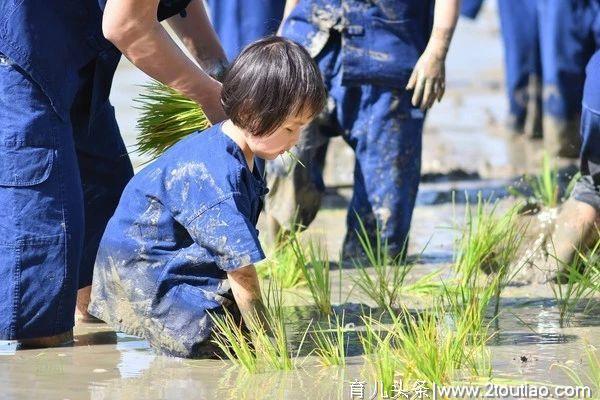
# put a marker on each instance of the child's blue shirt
(181, 224)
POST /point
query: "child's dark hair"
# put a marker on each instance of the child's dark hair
(271, 80)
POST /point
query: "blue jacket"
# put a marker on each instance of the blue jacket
(381, 40)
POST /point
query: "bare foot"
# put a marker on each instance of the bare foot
(83, 301)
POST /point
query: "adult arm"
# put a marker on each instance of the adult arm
(197, 34)
(428, 78)
(132, 26)
(289, 6)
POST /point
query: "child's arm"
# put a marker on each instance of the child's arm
(246, 291)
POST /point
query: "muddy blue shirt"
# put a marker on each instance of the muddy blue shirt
(182, 223)
(591, 91)
(381, 39)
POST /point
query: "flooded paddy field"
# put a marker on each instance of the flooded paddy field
(466, 151)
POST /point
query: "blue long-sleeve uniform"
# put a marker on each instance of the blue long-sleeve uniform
(240, 22)
(587, 188)
(182, 223)
(366, 52)
(63, 163)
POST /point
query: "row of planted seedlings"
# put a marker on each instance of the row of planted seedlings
(441, 344)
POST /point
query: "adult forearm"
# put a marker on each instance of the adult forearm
(444, 22)
(197, 34)
(133, 28)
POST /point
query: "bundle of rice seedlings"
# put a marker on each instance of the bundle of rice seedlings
(283, 265)
(166, 117)
(234, 342)
(489, 242)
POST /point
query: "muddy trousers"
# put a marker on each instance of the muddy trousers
(569, 33)
(384, 131)
(60, 181)
(587, 189)
(518, 21)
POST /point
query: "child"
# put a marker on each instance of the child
(183, 239)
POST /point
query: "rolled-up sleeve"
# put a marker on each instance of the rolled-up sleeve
(226, 232)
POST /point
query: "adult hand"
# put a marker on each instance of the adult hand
(428, 79)
(209, 98)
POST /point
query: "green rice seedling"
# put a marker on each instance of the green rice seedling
(315, 268)
(283, 267)
(166, 117)
(384, 286)
(380, 356)
(265, 344)
(234, 342)
(331, 344)
(269, 335)
(580, 281)
(488, 242)
(591, 374)
(432, 349)
(545, 187)
(467, 304)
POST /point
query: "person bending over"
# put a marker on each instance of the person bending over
(183, 240)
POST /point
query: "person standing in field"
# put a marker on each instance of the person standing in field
(64, 165)
(383, 65)
(522, 63)
(547, 45)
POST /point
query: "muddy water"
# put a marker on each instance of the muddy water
(465, 150)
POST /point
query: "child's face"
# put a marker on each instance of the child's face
(280, 141)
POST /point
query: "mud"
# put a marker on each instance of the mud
(466, 150)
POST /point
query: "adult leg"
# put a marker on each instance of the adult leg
(296, 190)
(41, 220)
(566, 44)
(104, 165)
(518, 20)
(385, 132)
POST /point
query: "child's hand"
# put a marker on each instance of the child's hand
(246, 292)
